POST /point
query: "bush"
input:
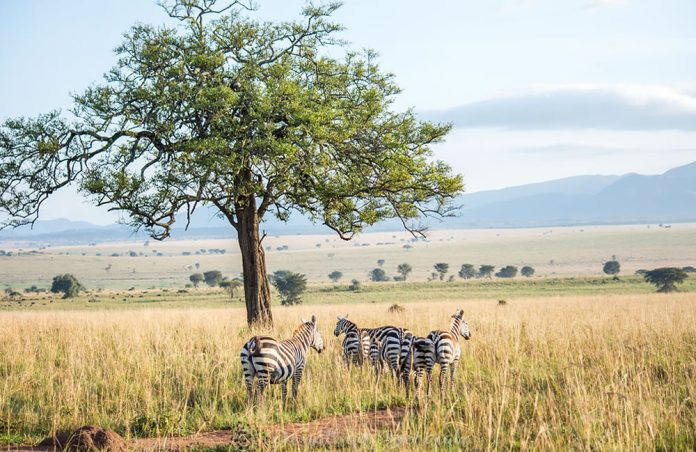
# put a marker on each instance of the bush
(378, 275)
(290, 285)
(612, 267)
(231, 285)
(212, 277)
(396, 309)
(354, 286)
(666, 278)
(689, 269)
(441, 268)
(196, 279)
(467, 271)
(509, 271)
(335, 276)
(404, 269)
(66, 284)
(485, 271)
(527, 271)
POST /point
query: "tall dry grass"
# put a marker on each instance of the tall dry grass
(600, 372)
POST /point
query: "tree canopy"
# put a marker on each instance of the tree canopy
(666, 278)
(218, 109)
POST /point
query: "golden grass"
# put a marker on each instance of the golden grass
(600, 372)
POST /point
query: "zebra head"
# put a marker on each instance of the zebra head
(316, 342)
(341, 325)
(463, 325)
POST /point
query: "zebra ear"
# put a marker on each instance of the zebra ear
(314, 319)
(338, 317)
(346, 316)
(304, 321)
(461, 312)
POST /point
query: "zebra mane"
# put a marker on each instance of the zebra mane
(305, 326)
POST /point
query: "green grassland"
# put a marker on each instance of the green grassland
(484, 290)
(553, 252)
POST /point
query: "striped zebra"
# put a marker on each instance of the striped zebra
(385, 346)
(418, 356)
(353, 347)
(447, 349)
(275, 362)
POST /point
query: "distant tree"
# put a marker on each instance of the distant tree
(467, 271)
(198, 265)
(354, 286)
(612, 267)
(196, 279)
(231, 285)
(486, 271)
(212, 277)
(377, 275)
(380, 262)
(509, 271)
(689, 269)
(66, 284)
(404, 269)
(441, 268)
(290, 285)
(527, 271)
(666, 278)
(335, 276)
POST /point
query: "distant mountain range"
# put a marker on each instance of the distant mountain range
(579, 200)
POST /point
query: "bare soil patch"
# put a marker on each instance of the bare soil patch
(322, 432)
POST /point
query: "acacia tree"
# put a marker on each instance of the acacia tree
(246, 117)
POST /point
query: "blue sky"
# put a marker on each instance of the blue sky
(537, 89)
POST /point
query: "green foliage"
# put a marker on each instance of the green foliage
(196, 279)
(441, 268)
(216, 108)
(404, 269)
(612, 267)
(212, 277)
(666, 278)
(527, 271)
(380, 262)
(354, 286)
(335, 275)
(378, 275)
(231, 285)
(509, 271)
(290, 285)
(467, 271)
(486, 271)
(66, 284)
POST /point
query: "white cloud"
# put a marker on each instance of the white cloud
(582, 106)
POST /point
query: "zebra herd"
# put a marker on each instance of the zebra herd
(276, 362)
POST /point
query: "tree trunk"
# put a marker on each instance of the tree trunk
(257, 293)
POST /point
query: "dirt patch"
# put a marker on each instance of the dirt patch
(86, 439)
(323, 432)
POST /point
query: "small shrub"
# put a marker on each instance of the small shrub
(527, 271)
(396, 309)
(378, 275)
(502, 302)
(354, 286)
(66, 284)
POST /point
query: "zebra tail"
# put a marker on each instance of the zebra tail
(254, 347)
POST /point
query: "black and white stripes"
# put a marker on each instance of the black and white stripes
(275, 362)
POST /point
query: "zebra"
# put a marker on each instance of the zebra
(275, 362)
(384, 344)
(353, 342)
(418, 355)
(447, 348)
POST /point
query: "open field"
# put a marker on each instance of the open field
(570, 251)
(585, 371)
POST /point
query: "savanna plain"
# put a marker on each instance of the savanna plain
(572, 359)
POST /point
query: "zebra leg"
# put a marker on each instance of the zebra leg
(284, 391)
(296, 382)
(443, 378)
(406, 378)
(249, 383)
(264, 380)
(417, 382)
(429, 380)
(453, 369)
